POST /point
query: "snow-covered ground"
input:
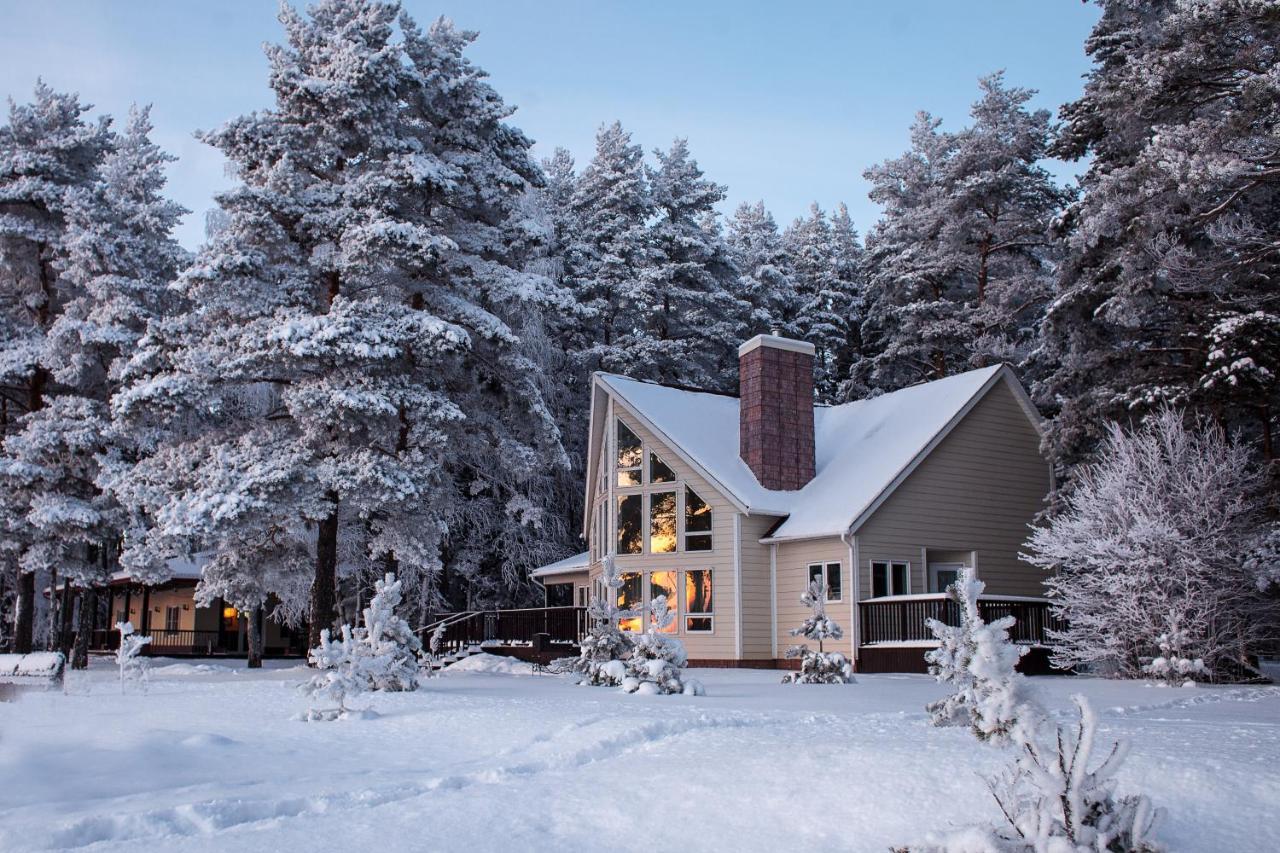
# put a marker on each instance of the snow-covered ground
(211, 759)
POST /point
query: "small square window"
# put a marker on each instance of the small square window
(829, 575)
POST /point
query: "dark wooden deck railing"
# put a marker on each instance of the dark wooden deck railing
(901, 618)
(560, 624)
(167, 642)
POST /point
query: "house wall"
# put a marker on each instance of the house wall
(793, 562)
(973, 497)
(721, 644)
(580, 580)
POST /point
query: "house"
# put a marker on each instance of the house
(730, 505)
(167, 612)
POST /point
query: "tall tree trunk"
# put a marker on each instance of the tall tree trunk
(64, 620)
(255, 637)
(324, 585)
(24, 622)
(84, 628)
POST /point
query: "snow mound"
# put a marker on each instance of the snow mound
(180, 669)
(496, 664)
(207, 740)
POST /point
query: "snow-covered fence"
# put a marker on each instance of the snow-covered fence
(40, 670)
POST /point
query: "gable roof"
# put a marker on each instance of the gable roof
(863, 449)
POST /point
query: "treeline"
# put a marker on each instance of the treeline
(379, 361)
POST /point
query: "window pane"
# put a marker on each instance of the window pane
(630, 540)
(629, 477)
(899, 578)
(628, 447)
(659, 472)
(697, 591)
(664, 583)
(879, 580)
(559, 594)
(697, 514)
(662, 522)
(815, 573)
(698, 624)
(700, 542)
(629, 598)
(833, 581)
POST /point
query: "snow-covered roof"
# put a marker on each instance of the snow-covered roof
(576, 563)
(863, 449)
(180, 568)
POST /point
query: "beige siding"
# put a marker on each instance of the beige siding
(793, 563)
(722, 642)
(757, 605)
(971, 498)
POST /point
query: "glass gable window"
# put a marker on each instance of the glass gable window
(630, 599)
(829, 575)
(630, 454)
(698, 601)
(697, 522)
(664, 583)
(659, 471)
(630, 534)
(889, 578)
(662, 523)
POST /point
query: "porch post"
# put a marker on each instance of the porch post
(146, 611)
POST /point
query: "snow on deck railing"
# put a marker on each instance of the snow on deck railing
(938, 596)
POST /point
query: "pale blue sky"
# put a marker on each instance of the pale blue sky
(785, 102)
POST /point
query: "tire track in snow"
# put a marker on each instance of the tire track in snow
(217, 815)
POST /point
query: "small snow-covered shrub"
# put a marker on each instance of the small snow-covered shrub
(338, 678)
(818, 666)
(387, 647)
(434, 645)
(1173, 665)
(600, 662)
(656, 661)
(1053, 802)
(134, 668)
(979, 662)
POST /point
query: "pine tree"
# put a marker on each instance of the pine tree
(655, 662)
(764, 279)
(824, 299)
(962, 260)
(47, 153)
(391, 645)
(1167, 288)
(820, 666)
(605, 647)
(353, 337)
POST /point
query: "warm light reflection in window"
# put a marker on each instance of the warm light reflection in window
(664, 583)
(662, 523)
(630, 598)
(697, 522)
(698, 602)
(630, 539)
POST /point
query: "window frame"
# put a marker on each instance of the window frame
(618, 467)
(686, 614)
(683, 513)
(824, 569)
(888, 566)
(176, 612)
(617, 526)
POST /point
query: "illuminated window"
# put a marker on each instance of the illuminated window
(698, 602)
(697, 522)
(630, 537)
(889, 579)
(630, 597)
(662, 523)
(664, 584)
(830, 578)
(630, 454)
(659, 471)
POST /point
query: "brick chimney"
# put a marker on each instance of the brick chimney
(775, 419)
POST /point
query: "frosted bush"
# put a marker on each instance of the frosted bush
(338, 678)
(979, 662)
(387, 648)
(604, 644)
(134, 668)
(818, 666)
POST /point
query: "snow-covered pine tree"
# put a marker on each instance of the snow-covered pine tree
(962, 260)
(352, 320)
(851, 273)
(391, 645)
(824, 297)
(337, 678)
(134, 668)
(818, 666)
(1053, 801)
(685, 315)
(656, 660)
(47, 152)
(611, 205)
(605, 648)
(764, 279)
(1150, 554)
(1166, 293)
(978, 662)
